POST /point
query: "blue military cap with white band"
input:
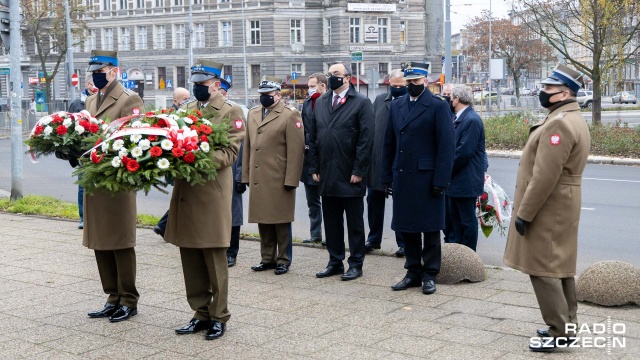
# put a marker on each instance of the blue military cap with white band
(564, 75)
(102, 58)
(224, 84)
(204, 70)
(416, 70)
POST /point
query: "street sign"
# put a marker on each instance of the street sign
(169, 84)
(4, 71)
(74, 79)
(125, 76)
(294, 75)
(42, 79)
(228, 78)
(356, 56)
(33, 81)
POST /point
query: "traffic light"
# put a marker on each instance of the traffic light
(4, 28)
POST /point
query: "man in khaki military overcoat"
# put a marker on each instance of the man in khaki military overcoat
(113, 245)
(271, 165)
(543, 235)
(200, 215)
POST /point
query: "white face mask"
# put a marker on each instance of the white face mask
(312, 91)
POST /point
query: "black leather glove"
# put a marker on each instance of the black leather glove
(240, 187)
(289, 187)
(60, 155)
(388, 190)
(521, 226)
(437, 191)
(73, 161)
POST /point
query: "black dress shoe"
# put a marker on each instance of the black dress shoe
(263, 267)
(107, 311)
(546, 344)
(542, 332)
(330, 270)
(231, 261)
(311, 241)
(123, 313)
(158, 230)
(429, 287)
(81, 225)
(216, 330)
(324, 243)
(406, 283)
(281, 269)
(369, 247)
(193, 327)
(351, 274)
(400, 252)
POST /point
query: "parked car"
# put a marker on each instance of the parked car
(534, 92)
(485, 97)
(624, 97)
(506, 90)
(585, 98)
(525, 91)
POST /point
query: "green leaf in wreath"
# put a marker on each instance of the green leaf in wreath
(486, 230)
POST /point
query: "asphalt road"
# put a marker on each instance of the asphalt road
(609, 227)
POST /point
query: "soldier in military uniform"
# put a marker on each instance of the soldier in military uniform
(113, 245)
(200, 215)
(543, 235)
(271, 165)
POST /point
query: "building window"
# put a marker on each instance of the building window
(159, 3)
(227, 70)
(141, 38)
(178, 36)
(125, 41)
(107, 44)
(298, 68)
(159, 37)
(296, 31)
(124, 4)
(53, 44)
(23, 46)
(355, 66)
(354, 30)
(223, 1)
(383, 28)
(77, 43)
(383, 69)
(226, 36)
(198, 35)
(140, 4)
(403, 32)
(327, 32)
(255, 76)
(90, 40)
(254, 31)
(178, 2)
(106, 5)
(162, 77)
(180, 76)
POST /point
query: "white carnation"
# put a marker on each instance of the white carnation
(145, 125)
(166, 144)
(47, 130)
(136, 123)
(180, 111)
(206, 122)
(67, 122)
(136, 152)
(205, 147)
(123, 152)
(105, 126)
(105, 147)
(79, 129)
(46, 120)
(145, 144)
(135, 138)
(173, 117)
(163, 164)
(187, 120)
(118, 144)
(116, 162)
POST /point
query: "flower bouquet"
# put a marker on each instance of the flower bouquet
(493, 208)
(138, 152)
(63, 132)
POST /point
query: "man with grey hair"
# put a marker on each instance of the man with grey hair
(180, 96)
(467, 175)
(376, 191)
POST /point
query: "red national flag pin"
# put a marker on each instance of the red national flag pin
(298, 124)
(238, 124)
(135, 111)
(555, 139)
(343, 100)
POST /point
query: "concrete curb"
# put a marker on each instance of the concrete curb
(593, 159)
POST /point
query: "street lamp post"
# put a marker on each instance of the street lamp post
(70, 71)
(244, 56)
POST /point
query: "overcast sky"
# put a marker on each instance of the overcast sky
(462, 11)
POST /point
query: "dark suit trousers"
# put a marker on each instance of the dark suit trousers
(449, 236)
(206, 278)
(333, 208)
(375, 215)
(462, 211)
(557, 301)
(275, 243)
(234, 246)
(163, 221)
(117, 269)
(422, 262)
(315, 211)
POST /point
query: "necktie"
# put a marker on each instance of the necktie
(411, 103)
(335, 101)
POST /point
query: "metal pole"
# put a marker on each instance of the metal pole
(358, 75)
(244, 56)
(490, 19)
(15, 92)
(458, 69)
(447, 43)
(190, 36)
(72, 89)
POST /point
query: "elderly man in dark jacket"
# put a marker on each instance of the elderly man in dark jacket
(467, 178)
(376, 191)
(340, 141)
(417, 159)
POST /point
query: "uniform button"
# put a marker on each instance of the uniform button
(257, 149)
(402, 133)
(183, 199)
(400, 170)
(255, 183)
(256, 166)
(260, 131)
(401, 151)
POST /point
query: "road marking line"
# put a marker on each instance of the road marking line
(587, 208)
(617, 180)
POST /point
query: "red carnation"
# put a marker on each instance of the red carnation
(205, 129)
(164, 111)
(56, 119)
(162, 123)
(155, 151)
(150, 113)
(199, 113)
(177, 152)
(152, 137)
(95, 158)
(488, 208)
(93, 128)
(204, 138)
(61, 130)
(125, 160)
(192, 118)
(132, 165)
(484, 197)
(39, 129)
(189, 158)
(84, 123)
(195, 128)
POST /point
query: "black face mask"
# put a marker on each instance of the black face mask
(266, 100)
(415, 89)
(335, 82)
(201, 92)
(544, 99)
(398, 92)
(99, 80)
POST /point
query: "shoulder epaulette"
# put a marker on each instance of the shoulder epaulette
(255, 107)
(232, 103)
(440, 97)
(128, 92)
(290, 107)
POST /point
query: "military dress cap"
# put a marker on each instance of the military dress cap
(416, 70)
(564, 75)
(204, 70)
(224, 84)
(269, 84)
(102, 58)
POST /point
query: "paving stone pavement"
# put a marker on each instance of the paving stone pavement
(48, 282)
